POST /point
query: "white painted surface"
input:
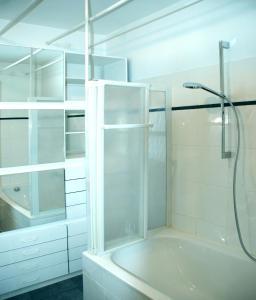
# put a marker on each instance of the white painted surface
(76, 253)
(31, 236)
(35, 277)
(76, 198)
(31, 265)
(75, 265)
(76, 227)
(75, 172)
(77, 240)
(75, 185)
(30, 252)
(76, 211)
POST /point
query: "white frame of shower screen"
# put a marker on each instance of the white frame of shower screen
(98, 127)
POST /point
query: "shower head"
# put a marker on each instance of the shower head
(196, 85)
(192, 85)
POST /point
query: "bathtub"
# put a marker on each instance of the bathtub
(170, 265)
(15, 212)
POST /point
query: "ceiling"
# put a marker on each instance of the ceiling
(65, 14)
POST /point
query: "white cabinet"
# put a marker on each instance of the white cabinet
(31, 278)
(31, 236)
(77, 243)
(32, 265)
(36, 250)
(32, 255)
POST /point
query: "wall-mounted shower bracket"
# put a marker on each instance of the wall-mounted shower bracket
(223, 45)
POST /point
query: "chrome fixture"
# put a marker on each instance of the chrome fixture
(192, 85)
(223, 45)
(195, 85)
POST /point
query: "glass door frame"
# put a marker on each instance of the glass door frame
(95, 129)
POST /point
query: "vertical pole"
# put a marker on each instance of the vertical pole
(223, 45)
(33, 143)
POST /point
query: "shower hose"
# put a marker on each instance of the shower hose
(252, 257)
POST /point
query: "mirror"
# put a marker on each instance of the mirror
(31, 137)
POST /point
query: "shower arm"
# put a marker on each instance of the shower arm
(223, 45)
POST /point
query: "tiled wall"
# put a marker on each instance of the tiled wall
(201, 182)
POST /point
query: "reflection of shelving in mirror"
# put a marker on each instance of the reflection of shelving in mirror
(101, 67)
(28, 74)
(75, 134)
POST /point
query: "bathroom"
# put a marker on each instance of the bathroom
(127, 153)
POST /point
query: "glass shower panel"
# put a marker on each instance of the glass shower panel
(157, 194)
(124, 105)
(14, 73)
(124, 153)
(37, 134)
(31, 199)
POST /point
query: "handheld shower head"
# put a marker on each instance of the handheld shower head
(192, 85)
(196, 85)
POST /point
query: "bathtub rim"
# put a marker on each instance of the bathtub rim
(106, 262)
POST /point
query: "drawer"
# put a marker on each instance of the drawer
(75, 172)
(17, 255)
(33, 265)
(77, 227)
(76, 198)
(75, 185)
(76, 253)
(75, 265)
(35, 277)
(30, 236)
(77, 240)
(76, 211)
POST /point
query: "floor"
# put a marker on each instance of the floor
(70, 289)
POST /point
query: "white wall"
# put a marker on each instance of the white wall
(184, 47)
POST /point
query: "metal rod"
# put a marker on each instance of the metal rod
(223, 45)
(66, 33)
(109, 10)
(21, 60)
(21, 16)
(142, 24)
(92, 19)
(48, 64)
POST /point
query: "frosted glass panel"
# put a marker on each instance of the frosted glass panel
(38, 136)
(31, 199)
(124, 105)
(157, 170)
(123, 185)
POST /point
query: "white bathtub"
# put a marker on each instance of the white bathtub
(15, 212)
(173, 266)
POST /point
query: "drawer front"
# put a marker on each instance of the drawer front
(75, 265)
(76, 185)
(36, 277)
(77, 240)
(76, 198)
(76, 211)
(17, 255)
(77, 227)
(31, 236)
(76, 253)
(32, 265)
(75, 172)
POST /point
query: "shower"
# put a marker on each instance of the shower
(195, 85)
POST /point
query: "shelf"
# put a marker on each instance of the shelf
(74, 155)
(75, 132)
(70, 80)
